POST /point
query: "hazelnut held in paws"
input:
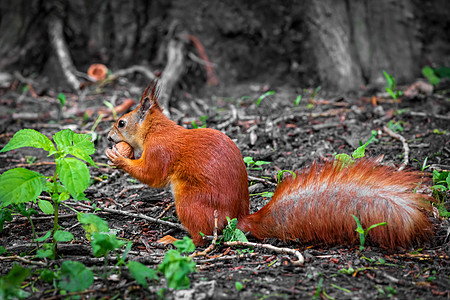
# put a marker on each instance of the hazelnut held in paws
(206, 172)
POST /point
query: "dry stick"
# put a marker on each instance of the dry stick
(133, 215)
(165, 210)
(213, 243)
(405, 145)
(55, 29)
(298, 262)
(141, 69)
(231, 120)
(24, 260)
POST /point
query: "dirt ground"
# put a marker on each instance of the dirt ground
(288, 136)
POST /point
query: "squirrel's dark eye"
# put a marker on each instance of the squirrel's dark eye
(122, 123)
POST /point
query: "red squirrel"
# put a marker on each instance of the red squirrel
(206, 172)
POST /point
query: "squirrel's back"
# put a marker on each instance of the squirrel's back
(317, 206)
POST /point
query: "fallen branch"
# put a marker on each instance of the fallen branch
(294, 252)
(133, 215)
(405, 145)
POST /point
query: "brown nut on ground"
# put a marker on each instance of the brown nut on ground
(125, 149)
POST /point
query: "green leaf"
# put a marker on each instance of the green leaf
(430, 75)
(297, 100)
(46, 252)
(103, 243)
(375, 225)
(249, 160)
(92, 223)
(75, 277)
(262, 162)
(5, 216)
(48, 275)
(46, 207)
(78, 145)
(141, 273)
(20, 185)
(63, 236)
(62, 99)
(176, 268)
(184, 245)
(239, 286)
(10, 283)
(74, 175)
(268, 93)
(29, 138)
(45, 237)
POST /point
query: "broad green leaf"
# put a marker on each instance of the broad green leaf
(262, 162)
(74, 175)
(20, 185)
(63, 236)
(48, 275)
(184, 245)
(176, 268)
(92, 223)
(63, 139)
(240, 236)
(74, 276)
(79, 145)
(46, 207)
(103, 243)
(141, 273)
(45, 237)
(62, 99)
(29, 138)
(45, 253)
(10, 284)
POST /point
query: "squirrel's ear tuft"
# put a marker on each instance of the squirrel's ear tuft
(149, 98)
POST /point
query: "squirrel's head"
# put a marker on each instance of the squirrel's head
(134, 126)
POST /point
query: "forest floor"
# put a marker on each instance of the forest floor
(278, 131)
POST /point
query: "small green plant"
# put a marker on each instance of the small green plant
(281, 172)
(202, 120)
(434, 75)
(394, 126)
(429, 73)
(232, 233)
(360, 152)
(254, 165)
(176, 266)
(10, 284)
(440, 132)
(268, 93)
(73, 276)
(297, 100)
(424, 165)
(239, 286)
(363, 232)
(71, 177)
(111, 107)
(441, 185)
(391, 86)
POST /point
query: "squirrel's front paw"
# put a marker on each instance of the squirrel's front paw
(114, 155)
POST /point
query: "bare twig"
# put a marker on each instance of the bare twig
(213, 243)
(133, 215)
(405, 145)
(231, 120)
(294, 252)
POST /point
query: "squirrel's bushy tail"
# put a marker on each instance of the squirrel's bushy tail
(317, 206)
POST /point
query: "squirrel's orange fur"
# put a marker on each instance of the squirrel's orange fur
(206, 172)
